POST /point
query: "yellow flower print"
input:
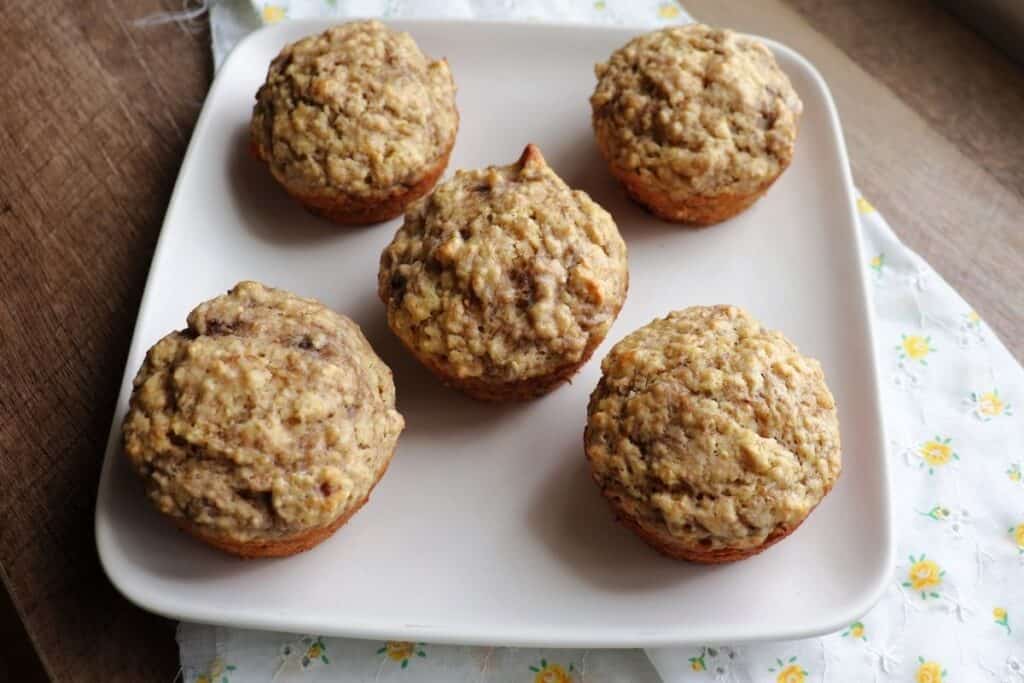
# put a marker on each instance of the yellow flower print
(1001, 617)
(316, 650)
(937, 452)
(915, 347)
(955, 521)
(929, 672)
(972, 318)
(923, 577)
(990, 404)
(668, 11)
(600, 5)
(1014, 473)
(312, 649)
(791, 674)
(273, 14)
(789, 671)
(402, 651)
(864, 206)
(549, 672)
(877, 263)
(1018, 536)
(924, 574)
(856, 631)
(398, 650)
(938, 513)
(697, 663)
(218, 672)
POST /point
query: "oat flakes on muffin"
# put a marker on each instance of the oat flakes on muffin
(504, 280)
(711, 437)
(264, 425)
(355, 123)
(697, 122)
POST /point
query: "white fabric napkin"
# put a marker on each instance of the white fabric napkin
(952, 403)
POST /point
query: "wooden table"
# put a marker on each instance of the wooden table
(96, 114)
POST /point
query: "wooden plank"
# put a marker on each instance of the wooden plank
(966, 91)
(18, 660)
(95, 122)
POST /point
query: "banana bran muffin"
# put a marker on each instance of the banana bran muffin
(504, 280)
(697, 122)
(710, 436)
(355, 122)
(263, 426)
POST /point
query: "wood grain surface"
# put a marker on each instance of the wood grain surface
(95, 118)
(95, 114)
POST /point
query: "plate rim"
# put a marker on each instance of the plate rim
(837, 619)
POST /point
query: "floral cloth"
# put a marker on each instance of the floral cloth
(953, 401)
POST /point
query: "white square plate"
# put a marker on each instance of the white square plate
(487, 528)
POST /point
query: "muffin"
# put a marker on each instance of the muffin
(711, 437)
(696, 122)
(264, 425)
(504, 280)
(355, 123)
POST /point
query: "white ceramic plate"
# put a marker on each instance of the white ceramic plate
(487, 528)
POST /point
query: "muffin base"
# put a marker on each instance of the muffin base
(351, 211)
(670, 546)
(347, 210)
(519, 390)
(697, 210)
(278, 547)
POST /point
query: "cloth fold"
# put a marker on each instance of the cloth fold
(951, 400)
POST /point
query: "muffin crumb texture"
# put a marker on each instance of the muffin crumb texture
(504, 274)
(710, 429)
(357, 110)
(270, 415)
(695, 110)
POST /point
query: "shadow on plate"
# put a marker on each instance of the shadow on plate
(571, 518)
(156, 546)
(429, 407)
(264, 206)
(580, 164)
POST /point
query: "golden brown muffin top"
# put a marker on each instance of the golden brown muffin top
(718, 430)
(504, 273)
(696, 110)
(268, 416)
(357, 110)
